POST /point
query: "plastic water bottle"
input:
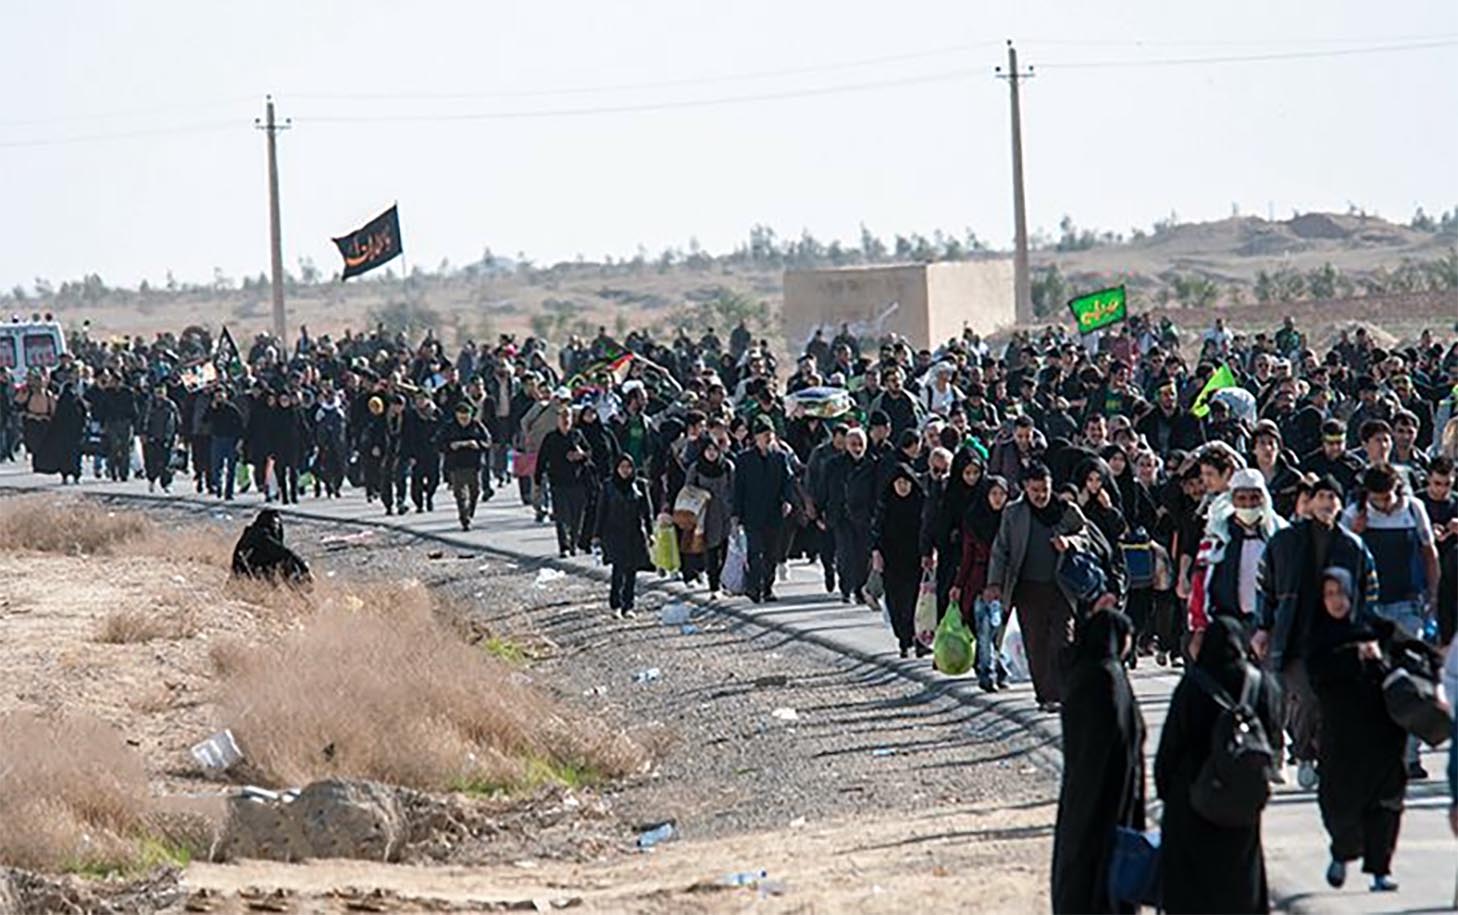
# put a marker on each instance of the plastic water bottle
(663, 832)
(743, 878)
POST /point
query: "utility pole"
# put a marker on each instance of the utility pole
(275, 231)
(1022, 285)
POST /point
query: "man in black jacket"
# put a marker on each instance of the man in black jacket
(116, 410)
(422, 424)
(463, 443)
(763, 494)
(225, 421)
(565, 459)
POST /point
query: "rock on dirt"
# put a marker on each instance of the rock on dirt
(335, 818)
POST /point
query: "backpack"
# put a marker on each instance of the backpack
(1138, 552)
(1233, 785)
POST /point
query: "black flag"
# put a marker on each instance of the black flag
(226, 358)
(367, 248)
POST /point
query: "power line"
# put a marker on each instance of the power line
(747, 98)
(132, 113)
(663, 84)
(1251, 58)
(649, 106)
(124, 135)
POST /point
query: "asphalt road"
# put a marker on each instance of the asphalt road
(1295, 843)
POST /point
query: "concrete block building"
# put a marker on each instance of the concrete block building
(926, 303)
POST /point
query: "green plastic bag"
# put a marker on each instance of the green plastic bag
(243, 478)
(665, 548)
(952, 646)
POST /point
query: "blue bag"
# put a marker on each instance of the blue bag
(1134, 867)
(1081, 575)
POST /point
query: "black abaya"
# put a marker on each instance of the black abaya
(1363, 773)
(1103, 767)
(1205, 867)
(261, 553)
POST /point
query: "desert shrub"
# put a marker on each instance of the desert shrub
(129, 625)
(384, 691)
(69, 526)
(73, 797)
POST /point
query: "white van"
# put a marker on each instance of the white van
(25, 345)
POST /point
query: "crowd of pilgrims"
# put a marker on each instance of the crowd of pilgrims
(1285, 544)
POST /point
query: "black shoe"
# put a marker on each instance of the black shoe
(905, 651)
(770, 597)
(1001, 676)
(985, 683)
(921, 650)
(465, 524)
(1416, 772)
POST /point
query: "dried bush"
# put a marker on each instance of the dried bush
(73, 797)
(128, 626)
(47, 524)
(383, 691)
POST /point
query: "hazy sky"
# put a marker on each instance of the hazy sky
(925, 147)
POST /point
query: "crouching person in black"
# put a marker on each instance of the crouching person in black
(261, 553)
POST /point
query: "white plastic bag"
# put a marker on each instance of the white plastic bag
(736, 564)
(1015, 654)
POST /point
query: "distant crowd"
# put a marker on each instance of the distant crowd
(1276, 517)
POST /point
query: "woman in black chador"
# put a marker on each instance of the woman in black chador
(260, 552)
(1103, 765)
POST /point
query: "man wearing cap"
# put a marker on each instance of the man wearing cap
(763, 490)
(1333, 459)
(1290, 598)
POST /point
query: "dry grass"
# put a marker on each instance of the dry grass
(73, 797)
(130, 625)
(384, 691)
(46, 524)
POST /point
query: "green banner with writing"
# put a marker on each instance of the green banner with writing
(1099, 309)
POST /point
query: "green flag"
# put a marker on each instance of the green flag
(1222, 377)
(1099, 309)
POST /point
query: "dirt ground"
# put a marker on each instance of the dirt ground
(871, 795)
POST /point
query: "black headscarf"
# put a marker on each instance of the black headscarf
(708, 468)
(261, 553)
(982, 520)
(1222, 653)
(959, 497)
(625, 486)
